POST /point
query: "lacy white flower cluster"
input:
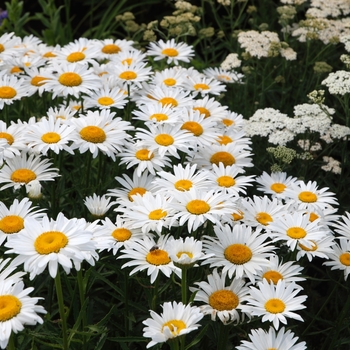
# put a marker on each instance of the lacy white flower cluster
(265, 44)
(331, 165)
(338, 82)
(325, 8)
(231, 61)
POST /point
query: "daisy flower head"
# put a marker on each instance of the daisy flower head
(170, 77)
(221, 300)
(106, 98)
(210, 108)
(137, 154)
(137, 185)
(199, 84)
(240, 251)
(18, 309)
(321, 248)
(8, 44)
(49, 134)
(176, 320)
(185, 252)
(171, 51)
(150, 212)
(115, 235)
(223, 75)
(11, 89)
(22, 170)
(296, 228)
(262, 340)
(61, 112)
(276, 270)
(51, 243)
(98, 205)
(232, 120)
(339, 258)
(237, 137)
(275, 303)
(34, 80)
(71, 80)
(275, 184)
(128, 57)
(343, 227)
(14, 137)
(309, 196)
(108, 48)
(148, 254)
(12, 219)
(99, 131)
(181, 179)
(195, 207)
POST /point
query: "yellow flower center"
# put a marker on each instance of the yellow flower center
(195, 128)
(159, 117)
(226, 181)
(263, 218)
(296, 232)
(272, 276)
(307, 197)
(224, 77)
(307, 249)
(144, 154)
(23, 175)
(8, 137)
(278, 187)
(223, 300)
(224, 140)
(105, 101)
(93, 134)
(183, 185)
(136, 190)
(121, 234)
(51, 137)
(128, 61)
(202, 110)
(169, 82)
(2, 48)
(75, 57)
(157, 214)
(128, 75)
(313, 217)
(11, 224)
(168, 101)
(7, 92)
(227, 122)
(10, 306)
(50, 242)
(158, 257)
(175, 326)
(170, 52)
(238, 216)
(111, 49)
(38, 81)
(189, 254)
(164, 139)
(15, 70)
(197, 207)
(49, 54)
(223, 157)
(238, 254)
(275, 306)
(70, 79)
(201, 87)
(345, 259)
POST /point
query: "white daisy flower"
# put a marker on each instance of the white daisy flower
(224, 75)
(340, 257)
(106, 98)
(148, 254)
(275, 303)
(343, 228)
(14, 136)
(34, 80)
(171, 51)
(262, 340)
(170, 77)
(200, 84)
(210, 108)
(8, 44)
(128, 57)
(321, 248)
(62, 112)
(241, 251)
(51, 243)
(176, 320)
(22, 170)
(11, 89)
(221, 300)
(97, 205)
(110, 47)
(233, 120)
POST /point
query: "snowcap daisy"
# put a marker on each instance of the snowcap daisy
(233, 120)
(223, 75)
(97, 205)
(8, 44)
(12, 219)
(100, 131)
(340, 257)
(262, 340)
(51, 243)
(210, 108)
(22, 170)
(18, 309)
(176, 320)
(49, 134)
(11, 89)
(199, 84)
(34, 80)
(174, 76)
(275, 303)
(321, 248)
(106, 98)
(14, 136)
(241, 251)
(171, 51)
(61, 112)
(110, 47)
(148, 254)
(128, 57)
(221, 300)
(115, 235)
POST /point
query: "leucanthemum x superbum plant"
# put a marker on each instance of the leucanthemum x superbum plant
(141, 207)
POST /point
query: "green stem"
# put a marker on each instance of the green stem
(223, 336)
(60, 300)
(11, 343)
(126, 302)
(184, 285)
(82, 293)
(155, 294)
